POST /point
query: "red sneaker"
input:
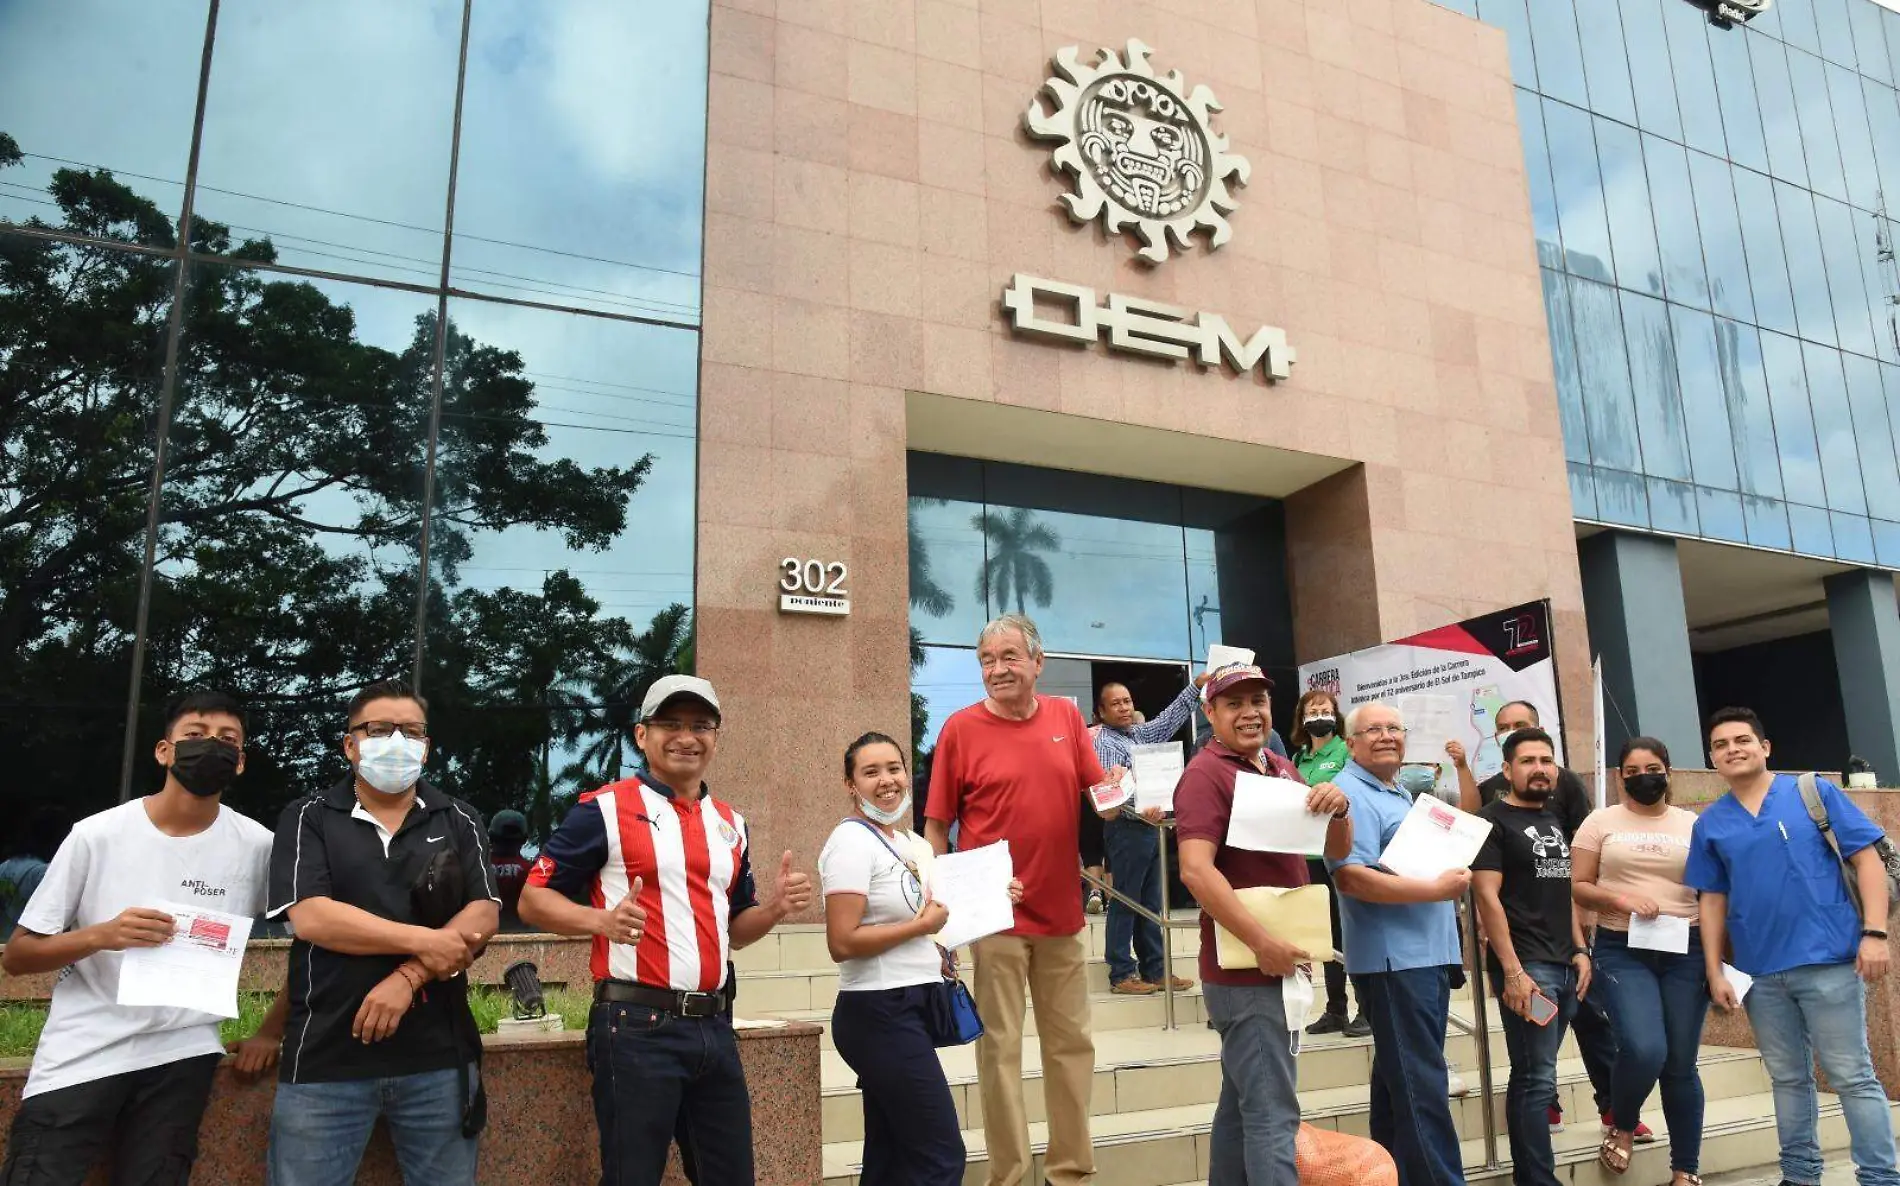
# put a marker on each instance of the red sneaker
(1556, 1117)
(1642, 1135)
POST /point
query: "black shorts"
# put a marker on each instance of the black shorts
(143, 1124)
(1091, 840)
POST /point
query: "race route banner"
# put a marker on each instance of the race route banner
(1450, 682)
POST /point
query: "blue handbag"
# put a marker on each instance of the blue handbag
(950, 1015)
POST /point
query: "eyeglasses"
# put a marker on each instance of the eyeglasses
(1381, 731)
(414, 732)
(696, 728)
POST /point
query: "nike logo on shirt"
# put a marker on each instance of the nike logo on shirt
(1060, 737)
(434, 839)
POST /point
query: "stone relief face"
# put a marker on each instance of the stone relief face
(1143, 147)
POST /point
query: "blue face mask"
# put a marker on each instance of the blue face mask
(1418, 780)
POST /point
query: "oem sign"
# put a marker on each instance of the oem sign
(1140, 326)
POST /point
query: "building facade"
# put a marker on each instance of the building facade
(531, 351)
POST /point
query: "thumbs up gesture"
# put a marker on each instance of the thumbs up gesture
(626, 922)
(794, 887)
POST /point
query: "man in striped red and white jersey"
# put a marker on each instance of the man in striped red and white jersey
(660, 874)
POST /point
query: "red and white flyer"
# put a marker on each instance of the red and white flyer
(198, 969)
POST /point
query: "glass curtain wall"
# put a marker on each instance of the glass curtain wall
(1712, 217)
(298, 435)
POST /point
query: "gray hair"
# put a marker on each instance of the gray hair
(1352, 718)
(1020, 623)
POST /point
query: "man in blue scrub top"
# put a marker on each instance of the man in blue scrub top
(1770, 883)
(1401, 938)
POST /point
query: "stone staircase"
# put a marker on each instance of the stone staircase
(1155, 1089)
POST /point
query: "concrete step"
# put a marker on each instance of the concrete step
(1107, 1011)
(801, 946)
(779, 992)
(1163, 1145)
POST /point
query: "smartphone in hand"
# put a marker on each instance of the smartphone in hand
(1543, 1009)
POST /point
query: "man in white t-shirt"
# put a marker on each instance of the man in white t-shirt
(126, 1085)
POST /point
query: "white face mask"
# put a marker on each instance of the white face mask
(889, 818)
(391, 764)
(1296, 998)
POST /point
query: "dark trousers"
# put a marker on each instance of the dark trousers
(659, 1077)
(143, 1124)
(1533, 1085)
(1410, 1114)
(1133, 943)
(1657, 1001)
(911, 1134)
(1596, 1042)
(1318, 874)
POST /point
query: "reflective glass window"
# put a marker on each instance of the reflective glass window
(1672, 507)
(1695, 78)
(1870, 40)
(1886, 543)
(288, 157)
(1890, 383)
(1510, 16)
(947, 680)
(1869, 241)
(1767, 522)
(1466, 7)
(1751, 414)
(75, 470)
(1816, 119)
(1774, 95)
(1626, 200)
(1798, 25)
(1890, 24)
(1676, 234)
(1721, 229)
(946, 548)
(1853, 314)
(94, 84)
(1767, 263)
(1807, 269)
(1837, 32)
(1622, 498)
(1583, 491)
(1704, 406)
(1850, 126)
(1559, 55)
(1579, 188)
(1236, 573)
(1603, 368)
(1719, 515)
(1813, 534)
(582, 156)
(1650, 71)
(1653, 376)
(1530, 122)
(1873, 436)
(1834, 429)
(1563, 349)
(1741, 110)
(1794, 423)
(1606, 61)
(1853, 537)
(1883, 119)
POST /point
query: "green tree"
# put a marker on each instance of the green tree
(1013, 569)
(615, 690)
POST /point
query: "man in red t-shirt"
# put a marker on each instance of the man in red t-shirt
(1016, 767)
(1258, 1115)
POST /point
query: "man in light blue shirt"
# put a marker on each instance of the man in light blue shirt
(1401, 938)
(1771, 883)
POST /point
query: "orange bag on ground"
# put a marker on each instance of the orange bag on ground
(1328, 1158)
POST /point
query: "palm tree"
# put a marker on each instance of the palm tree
(1012, 568)
(617, 689)
(925, 593)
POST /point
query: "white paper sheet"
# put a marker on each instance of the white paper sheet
(198, 969)
(1219, 656)
(1662, 933)
(1434, 838)
(1270, 815)
(1738, 980)
(974, 887)
(1155, 771)
(1431, 719)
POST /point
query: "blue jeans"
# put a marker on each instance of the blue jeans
(318, 1130)
(1657, 1002)
(1410, 1114)
(911, 1133)
(1820, 1010)
(1258, 1115)
(660, 1078)
(1136, 865)
(1532, 1089)
(1596, 1043)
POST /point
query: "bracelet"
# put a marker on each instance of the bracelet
(1871, 933)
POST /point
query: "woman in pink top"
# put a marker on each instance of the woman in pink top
(1626, 863)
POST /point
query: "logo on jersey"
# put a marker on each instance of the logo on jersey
(728, 834)
(913, 891)
(203, 889)
(544, 867)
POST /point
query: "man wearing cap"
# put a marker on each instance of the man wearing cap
(1015, 767)
(659, 873)
(507, 832)
(1258, 1114)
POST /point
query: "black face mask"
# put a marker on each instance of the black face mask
(204, 766)
(1647, 789)
(1321, 726)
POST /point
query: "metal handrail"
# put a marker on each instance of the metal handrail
(1163, 920)
(1481, 1032)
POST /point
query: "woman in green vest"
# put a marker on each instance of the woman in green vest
(1319, 753)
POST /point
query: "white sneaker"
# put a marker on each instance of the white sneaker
(1455, 1083)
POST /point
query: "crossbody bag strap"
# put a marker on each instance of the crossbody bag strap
(1817, 811)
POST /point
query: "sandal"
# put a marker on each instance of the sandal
(1681, 1178)
(1612, 1156)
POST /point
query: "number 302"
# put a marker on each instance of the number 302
(813, 577)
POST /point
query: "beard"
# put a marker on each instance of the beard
(1537, 792)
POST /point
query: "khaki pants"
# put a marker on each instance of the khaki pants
(1053, 970)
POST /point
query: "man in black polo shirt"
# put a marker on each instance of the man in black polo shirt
(390, 893)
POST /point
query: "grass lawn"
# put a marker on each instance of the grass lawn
(21, 1021)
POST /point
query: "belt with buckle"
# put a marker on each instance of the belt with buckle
(667, 1000)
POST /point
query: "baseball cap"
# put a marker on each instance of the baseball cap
(667, 687)
(509, 826)
(1226, 679)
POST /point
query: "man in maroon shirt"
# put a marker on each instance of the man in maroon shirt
(1015, 767)
(1259, 1113)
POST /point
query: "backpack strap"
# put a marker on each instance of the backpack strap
(1817, 811)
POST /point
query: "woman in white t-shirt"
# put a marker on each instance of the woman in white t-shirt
(878, 925)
